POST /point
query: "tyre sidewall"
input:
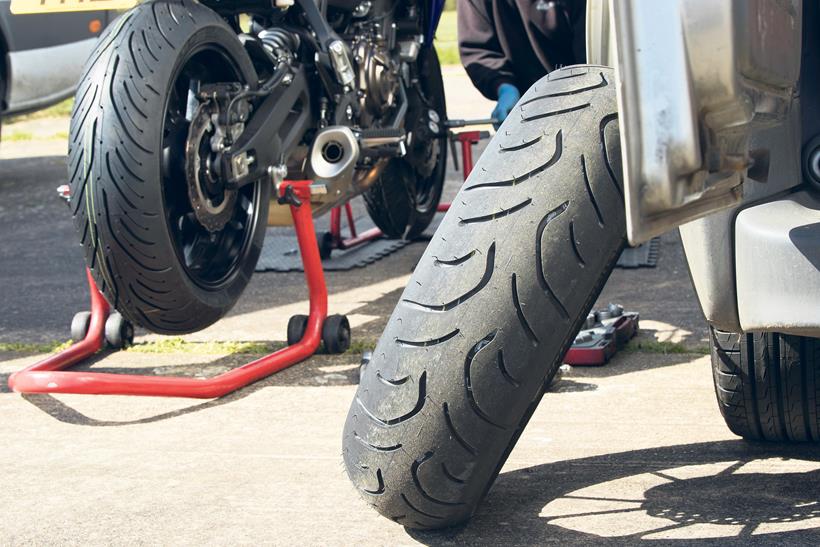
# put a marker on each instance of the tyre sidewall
(111, 128)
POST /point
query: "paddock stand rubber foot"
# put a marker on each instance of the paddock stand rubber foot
(297, 326)
(119, 332)
(336, 334)
(79, 325)
(326, 245)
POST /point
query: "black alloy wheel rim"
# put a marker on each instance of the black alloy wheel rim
(211, 259)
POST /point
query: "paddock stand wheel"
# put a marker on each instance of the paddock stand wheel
(336, 334)
(79, 325)
(119, 332)
(297, 326)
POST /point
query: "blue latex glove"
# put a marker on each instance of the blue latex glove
(508, 95)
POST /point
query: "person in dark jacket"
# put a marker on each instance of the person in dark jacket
(508, 45)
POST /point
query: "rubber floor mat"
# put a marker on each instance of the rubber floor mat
(644, 255)
(281, 250)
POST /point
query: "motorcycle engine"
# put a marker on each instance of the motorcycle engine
(378, 80)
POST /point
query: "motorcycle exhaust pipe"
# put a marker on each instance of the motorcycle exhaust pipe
(333, 156)
(332, 161)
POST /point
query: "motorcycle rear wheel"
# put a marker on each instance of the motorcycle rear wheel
(492, 306)
(150, 256)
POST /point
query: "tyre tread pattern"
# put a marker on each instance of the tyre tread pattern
(534, 207)
(113, 167)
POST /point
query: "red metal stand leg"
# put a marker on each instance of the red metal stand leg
(46, 376)
(364, 237)
(467, 140)
(355, 239)
(336, 226)
(351, 224)
(88, 346)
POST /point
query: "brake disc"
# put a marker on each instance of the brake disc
(212, 202)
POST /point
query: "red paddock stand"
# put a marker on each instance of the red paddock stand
(334, 238)
(48, 375)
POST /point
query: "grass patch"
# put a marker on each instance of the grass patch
(46, 347)
(665, 348)
(178, 345)
(16, 136)
(357, 347)
(447, 39)
(447, 30)
(448, 54)
(59, 110)
(22, 136)
(360, 346)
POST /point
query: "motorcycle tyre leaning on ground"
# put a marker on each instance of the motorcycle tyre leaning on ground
(492, 307)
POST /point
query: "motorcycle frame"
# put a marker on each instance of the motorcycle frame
(753, 251)
(274, 129)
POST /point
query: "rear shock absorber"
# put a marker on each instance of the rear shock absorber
(280, 42)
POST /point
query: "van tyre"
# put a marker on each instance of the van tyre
(149, 252)
(492, 306)
(767, 385)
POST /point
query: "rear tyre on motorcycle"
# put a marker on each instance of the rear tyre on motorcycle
(767, 385)
(492, 306)
(403, 201)
(147, 247)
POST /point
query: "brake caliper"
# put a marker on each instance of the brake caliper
(216, 123)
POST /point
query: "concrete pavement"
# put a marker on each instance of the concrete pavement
(630, 452)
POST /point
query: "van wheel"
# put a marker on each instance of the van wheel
(766, 385)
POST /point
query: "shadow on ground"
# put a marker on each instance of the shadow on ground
(705, 493)
(624, 363)
(319, 370)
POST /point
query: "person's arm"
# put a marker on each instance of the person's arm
(480, 50)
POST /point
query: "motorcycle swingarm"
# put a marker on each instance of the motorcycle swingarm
(274, 129)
